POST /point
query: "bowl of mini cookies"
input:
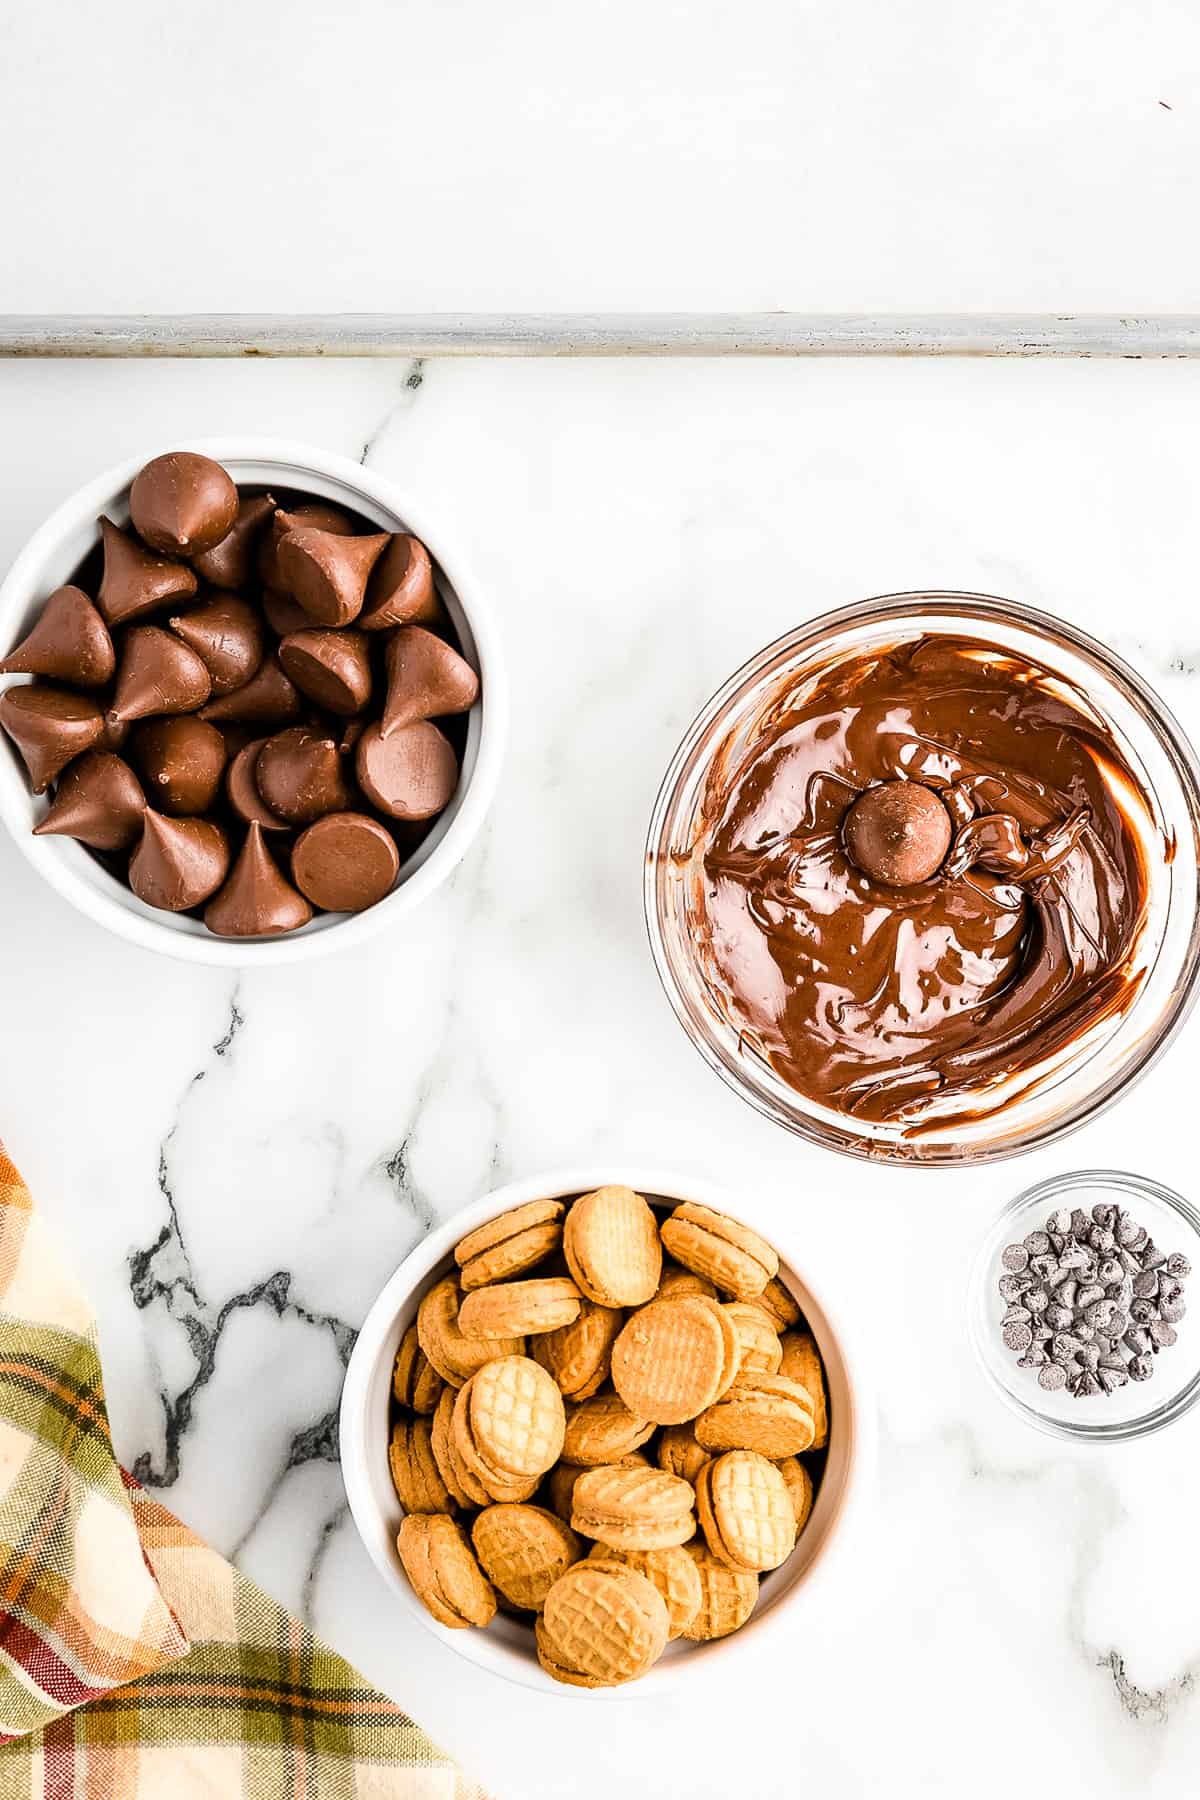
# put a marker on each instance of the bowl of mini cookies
(595, 1427)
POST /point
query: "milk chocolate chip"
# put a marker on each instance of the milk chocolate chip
(135, 581)
(157, 674)
(227, 635)
(228, 564)
(182, 504)
(299, 775)
(410, 775)
(327, 574)
(256, 901)
(179, 862)
(181, 762)
(401, 590)
(331, 667)
(898, 833)
(68, 641)
(268, 698)
(345, 862)
(50, 726)
(97, 801)
(427, 679)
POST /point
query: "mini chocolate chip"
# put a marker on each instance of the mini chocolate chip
(1179, 1266)
(1171, 1311)
(1137, 1338)
(1110, 1272)
(1143, 1312)
(1015, 1258)
(1089, 1356)
(1080, 1223)
(1074, 1257)
(1059, 1221)
(1018, 1337)
(1152, 1256)
(1046, 1266)
(1052, 1378)
(1141, 1368)
(1118, 1325)
(1013, 1286)
(1111, 1379)
(1163, 1335)
(1145, 1285)
(1085, 1386)
(1037, 1243)
(1104, 1215)
(1034, 1358)
(1037, 1300)
(1088, 1295)
(1100, 1314)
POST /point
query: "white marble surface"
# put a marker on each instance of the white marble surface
(237, 1166)
(870, 155)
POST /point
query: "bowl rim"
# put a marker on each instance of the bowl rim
(994, 608)
(482, 1648)
(161, 935)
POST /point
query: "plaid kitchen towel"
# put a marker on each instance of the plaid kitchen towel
(136, 1663)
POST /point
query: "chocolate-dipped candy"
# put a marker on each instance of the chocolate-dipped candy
(300, 775)
(50, 727)
(98, 801)
(268, 698)
(401, 590)
(157, 674)
(182, 504)
(135, 581)
(331, 667)
(898, 833)
(256, 900)
(410, 775)
(181, 761)
(227, 635)
(317, 513)
(241, 789)
(345, 862)
(68, 641)
(229, 563)
(179, 863)
(427, 679)
(327, 574)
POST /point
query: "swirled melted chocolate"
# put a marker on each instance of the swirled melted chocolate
(897, 1003)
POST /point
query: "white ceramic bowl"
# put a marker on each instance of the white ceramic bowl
(51, 557)
(506, 1647)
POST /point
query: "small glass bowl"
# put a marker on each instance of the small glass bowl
(1138, 1408)
(1165, 954)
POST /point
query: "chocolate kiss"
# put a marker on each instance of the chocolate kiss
(317, 513)
(410, 775)
(69, 641)
(299, 775)
(97, 801)
(227, 564)
(157, 674)
(179, 862)
(401, 590)
(256, 901)
(427, 678)
(327, 574)
(282, 614)
(331, 667)
(345, 862)
(50, 726)
(181, 762)
(182, 504)
(227, 635)
(242, 789)
(135, 581)
(268, 698)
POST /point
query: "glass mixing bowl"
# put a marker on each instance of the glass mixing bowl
(1164, 960)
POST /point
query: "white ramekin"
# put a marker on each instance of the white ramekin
(51, 557)
(789, 1596)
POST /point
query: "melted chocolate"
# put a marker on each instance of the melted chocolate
(885, 1002)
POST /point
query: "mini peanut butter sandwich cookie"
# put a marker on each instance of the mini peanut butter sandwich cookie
(675, 1357)
(507, 1427)
(578, 1356)
(800, 1488)
(746, 1512)
(560, 1483)
(523, 1550)
(443, 1571)
(454, 1356)
(727, 1596)
(778, 1305)
(801, 1361)
(758, 1342)
(676, 1280)
(518, 1308)
(611, 1244)
(673, 1573)
(516, 1241)
(460, 1485)
(415, 1473)
(415, 1382)
(680, 1454)
(602, 1624)
(603, 1430)
(472, 1471)
(767, 1413)
(736, 1259)
(634, 1509)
